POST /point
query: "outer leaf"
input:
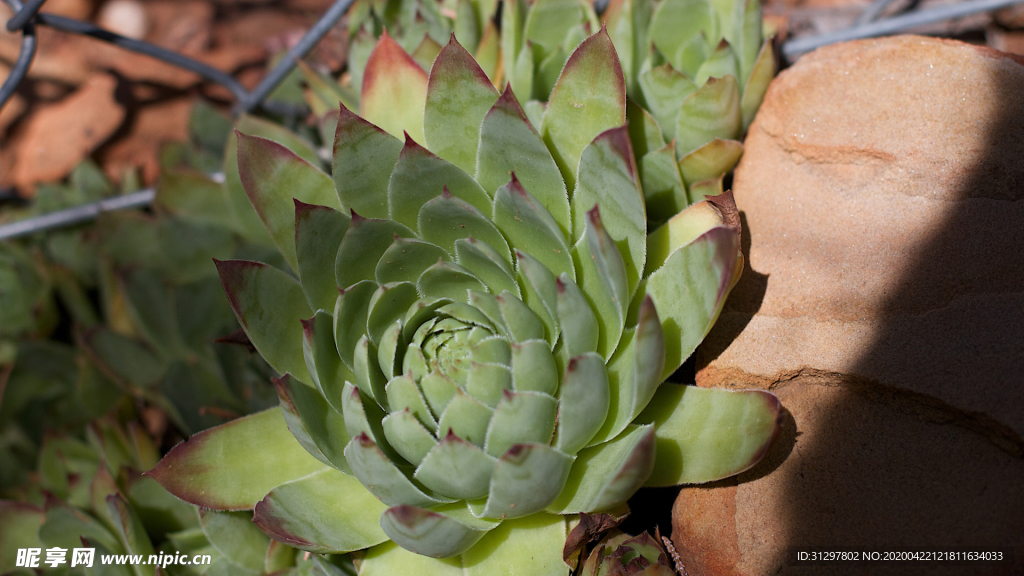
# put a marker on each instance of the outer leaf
(690, 290)
(382, 477)
(580, 327)
(530, 546)
(711, 112)
(318, 234)
(607, 178)
(272, 176)
(19, 528)
(235, 537)
(432, 533)
(232, 466)
(456, 468)
(325, 512)
(270, 306)
(406, 259)
(509, 144)
(521, 417)
(680, 26)
(458, 97)
(394, 90)
(606, 475)
(323, 425)
(710, 160)
(583, 402)
(364, 156)
(721, 63)
(389, 559)
(526, 479)
(708, 434)
(589, 98)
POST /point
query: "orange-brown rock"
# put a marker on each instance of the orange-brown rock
(883, 301)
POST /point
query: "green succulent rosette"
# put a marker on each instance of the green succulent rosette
(473, 331)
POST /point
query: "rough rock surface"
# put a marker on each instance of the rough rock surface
(883, 301)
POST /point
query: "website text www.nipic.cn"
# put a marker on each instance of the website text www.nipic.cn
(55, 557)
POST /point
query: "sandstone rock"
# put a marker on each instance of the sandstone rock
(882, 301)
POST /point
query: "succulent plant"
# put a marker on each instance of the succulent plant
(473, 349)
(697, 71)
(27, 307)
(624, 555)
(90, 493)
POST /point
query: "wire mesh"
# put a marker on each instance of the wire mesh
(27, 16)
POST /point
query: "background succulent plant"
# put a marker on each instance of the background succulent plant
(90, 493)
(474, 348)
(697, 71)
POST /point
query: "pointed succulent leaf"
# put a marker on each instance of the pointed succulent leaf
(706, 189)
(530, 228)
(711, 160)
(234, 535)
(326, 93)
(711, 112)
(523, 324)
(708, 434)
(582, 403)
(350, 313)
(459, 95)
(326, 368)
(721, 63)
(534, 368)
(747, 37)
(757, 83)
(689, 290)
(249, 223)
(580, 327)
(446, 219)
(521, 417)
(487, 264)
(232, 466)
(606, 475)
(456, 468)
(420, 176)
(388, 304)
(527, 479)
(440, 533)
(363, 416)
(607, 178)
(318, 234)
(406, 259)
(272, 176)
(408, 436)
(270, 306)
(487, 382)
(326, 512)
(129, 528)
(664, 88)
(364, 156)
(513, 18)
(603, 279)
(381, 477)
(394, 90)
(540, 290)
(403, 394)
(426, 52)
(589, 98)
(466, 417)
(320, 422)
(447, 280)
(628, 22)
(19, 528)
(364, 243)
(510, 144)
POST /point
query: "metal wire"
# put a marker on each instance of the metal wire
(872, 12)
(285, 66)
(24, 14)
(895, 25)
